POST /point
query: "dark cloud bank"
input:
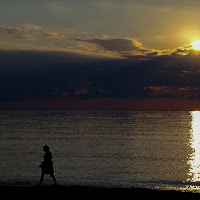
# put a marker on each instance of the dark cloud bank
(34, 75)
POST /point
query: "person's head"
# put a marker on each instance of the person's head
(46, 148)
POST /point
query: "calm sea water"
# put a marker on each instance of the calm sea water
(104, 149)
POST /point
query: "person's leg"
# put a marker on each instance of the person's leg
(42, 178)
(54, 178)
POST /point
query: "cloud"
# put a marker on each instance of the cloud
(31, 36)
(53, 75)
(129, 48)
(28, 32)
(124, 47)
(116, 44)
(30, 27)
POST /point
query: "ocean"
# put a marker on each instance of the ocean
(154, 149)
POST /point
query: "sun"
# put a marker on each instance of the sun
(196, 45)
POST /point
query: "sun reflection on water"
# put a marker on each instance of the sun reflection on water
(194, 157)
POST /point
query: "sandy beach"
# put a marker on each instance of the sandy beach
(92, 192)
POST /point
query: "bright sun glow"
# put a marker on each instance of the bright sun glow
(196, 45)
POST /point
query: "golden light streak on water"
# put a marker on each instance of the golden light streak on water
(194, 157)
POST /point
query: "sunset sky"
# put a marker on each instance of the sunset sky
(82, 53)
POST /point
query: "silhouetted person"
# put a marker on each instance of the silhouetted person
(47, 165)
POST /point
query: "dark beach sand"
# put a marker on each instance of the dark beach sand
(71, 192)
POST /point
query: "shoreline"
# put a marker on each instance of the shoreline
(87, 191)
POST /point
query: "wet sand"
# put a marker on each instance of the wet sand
(92, 192)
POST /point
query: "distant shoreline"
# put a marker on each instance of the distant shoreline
(106, 104)
(76, 191)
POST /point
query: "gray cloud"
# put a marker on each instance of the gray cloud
(114, 44)
(104, 46)
(125, 47)
(28, 32)
(128, 48)
(45, 74)
(118, 44)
